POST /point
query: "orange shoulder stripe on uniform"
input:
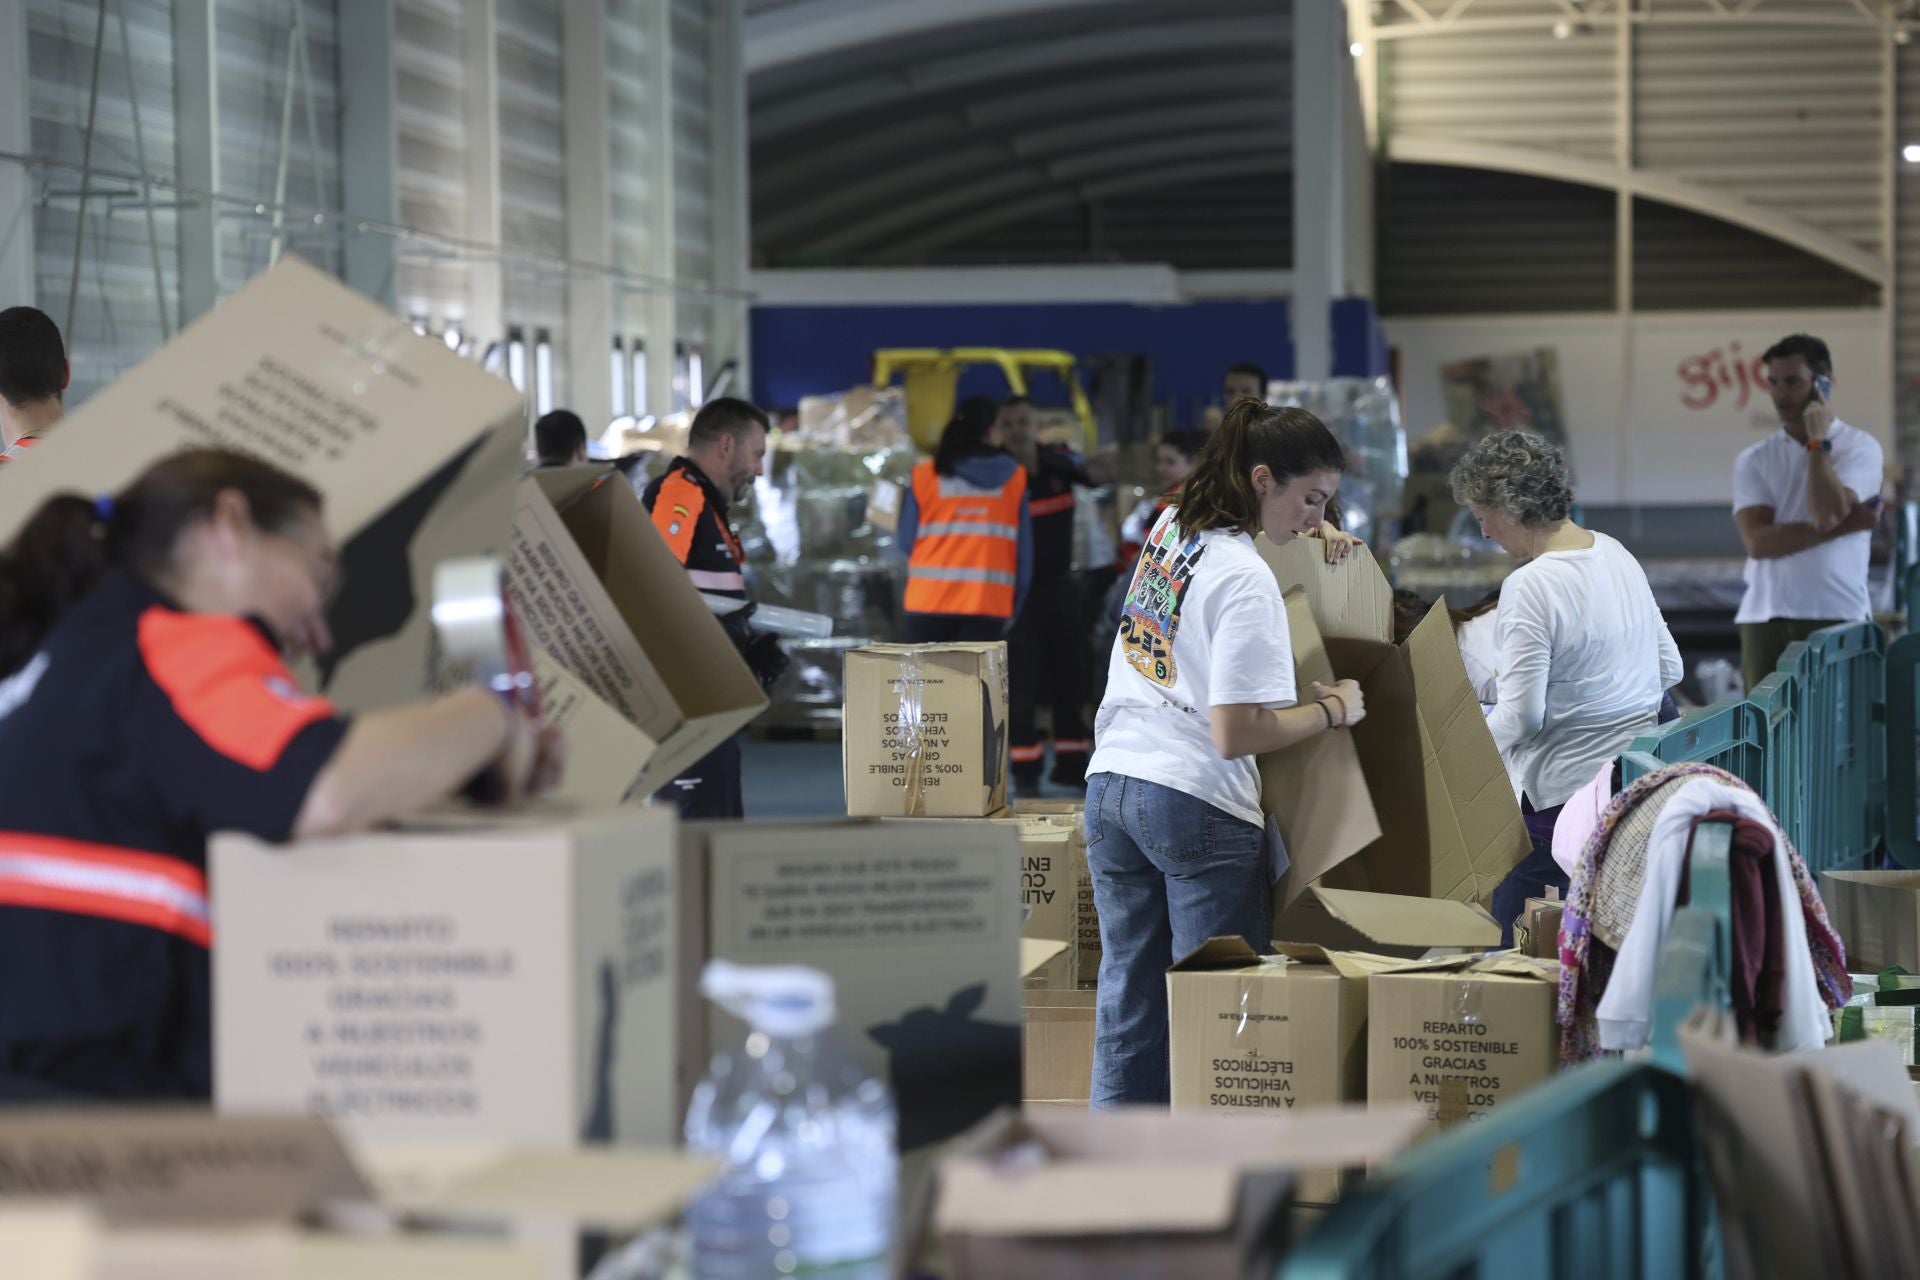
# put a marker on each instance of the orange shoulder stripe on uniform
(677, 510)
(228, 684)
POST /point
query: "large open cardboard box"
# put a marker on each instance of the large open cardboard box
(414, 449)
(177, 1194)
(600, 592)
(919, 928)
(1423, 766)
(1140, 1192)
(509, 982)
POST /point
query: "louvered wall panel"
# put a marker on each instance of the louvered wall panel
(252, 38)
(693, 169)
(430, 119)
(1463, 242)
(118, 316)
(533, 211)
(1511, 88)
(1785, 118)
(630, 140)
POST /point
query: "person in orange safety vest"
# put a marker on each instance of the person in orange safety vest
(965, 532)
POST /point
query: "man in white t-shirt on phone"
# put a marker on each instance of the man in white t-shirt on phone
(1806, 500)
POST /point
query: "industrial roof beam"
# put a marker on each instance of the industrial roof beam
(833, 203)
(1090, 102)
(798, 32)
(997, 214)
(1048, 57)
(1664, 188)
(1017, 179)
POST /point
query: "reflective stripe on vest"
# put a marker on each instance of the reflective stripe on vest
(966, 551)
(112, 884)
(1056, 505)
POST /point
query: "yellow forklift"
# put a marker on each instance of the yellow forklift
(932, 375)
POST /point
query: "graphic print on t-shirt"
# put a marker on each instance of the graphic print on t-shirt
(1151, 617)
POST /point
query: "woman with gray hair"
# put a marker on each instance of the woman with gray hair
(1585, 657)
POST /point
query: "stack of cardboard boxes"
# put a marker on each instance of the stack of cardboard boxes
(1380, 989)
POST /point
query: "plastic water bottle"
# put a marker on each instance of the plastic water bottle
(807, 1138)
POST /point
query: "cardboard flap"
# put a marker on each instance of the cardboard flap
(1350, 920)
(1503, 964)
(616, 1189)
(1316, 789)
(177, 1166)
(1351, 601)
(1303, 953)
(1475, 835)
(1217, 953)
(1036, 952)
(1075, 1199)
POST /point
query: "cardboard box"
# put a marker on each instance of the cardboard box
(606, 754)
(1461, 1034)
(1086, 922)
(1537, 932)
(1453, 829)
(414, 449)
(511, 983)
(1877, 915)
(600, 592)
(1811, 1153)
(925, 731)
(175, 1193)
(884, 503)
(1059, 1046)
(1251, 1033)
(1385, 924)
(921, 936)
(1138, 1193)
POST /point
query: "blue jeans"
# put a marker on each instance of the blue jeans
(1169, 872)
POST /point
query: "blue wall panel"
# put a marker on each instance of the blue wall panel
(800, 351)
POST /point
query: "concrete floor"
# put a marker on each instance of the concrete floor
(803, 780)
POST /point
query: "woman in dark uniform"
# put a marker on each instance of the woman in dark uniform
(145, 704)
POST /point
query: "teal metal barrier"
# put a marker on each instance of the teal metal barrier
(1779, 701)
(1845, 757)
(1592, 1175)
(1903, 761)
(1598, 1173)
(1729, 735)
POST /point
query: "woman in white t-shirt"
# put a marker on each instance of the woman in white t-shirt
(1584, 656)
(1201, 681)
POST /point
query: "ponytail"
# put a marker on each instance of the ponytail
(56, 558)
(1289, 442)
(966, 435)
(71, 542)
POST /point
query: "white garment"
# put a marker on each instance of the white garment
(1204, 626)
(1478, 638)
(1828, 582)
(1624, 1013)
(1585, 657)
(1139, 521)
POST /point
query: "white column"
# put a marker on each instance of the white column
(486, 290)
(732, 234)
(369, 144)
(196, 120)
(662, 328)
(589, 391)
(17, 287)
(1322, 216)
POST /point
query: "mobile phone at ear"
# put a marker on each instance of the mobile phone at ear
(1822, 387)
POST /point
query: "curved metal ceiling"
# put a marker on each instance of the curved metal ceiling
(928, 125)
